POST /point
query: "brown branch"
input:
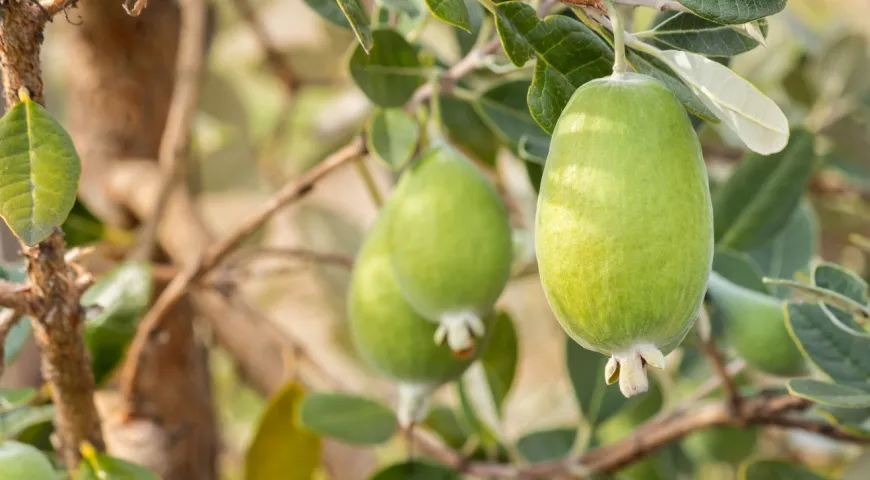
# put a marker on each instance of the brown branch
(56, 314)
(215, 254)
(717, 361)
(176, 135)
(278, 63)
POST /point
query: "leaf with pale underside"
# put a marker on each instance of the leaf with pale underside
(753, 116)
(39, 171)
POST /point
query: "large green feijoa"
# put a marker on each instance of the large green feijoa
(755, 325)
(391, 336)
(624, 224)
(451, 243)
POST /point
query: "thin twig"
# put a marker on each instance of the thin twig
(280, 67)
(179, 123)
(448, 81)
(661, 5)
(291, 192)
(54, 292)
(714, 355)
(295, 253)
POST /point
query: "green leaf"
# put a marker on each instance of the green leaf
(775, 470)
(834, 277)
(444, 421)
(572, 48)
(359, 22)
(853, 420)
(596, 401)
(453, 12)
(103, 466)
(476, 16)
(684, 31)
(40, 174)
(503, 107)
(842, 315)
(82, 227)
(513, 21)
(329, 11)
(122, 295)
(348, 418)
(467, 130)
(842, 356)
(390, 73)
(762, 194)
(735, 11)
(750, 114)
(548, 95)
(649, 65)
(17, 336)
(392, 137)
(829, 393)
(281, 447)
(15, 397)
(500, 358)
(739, 268)
(15, 420)
(791, 250)
(547, 445)
(416, 470)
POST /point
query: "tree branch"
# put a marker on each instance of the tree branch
(291, 192)
(179, 123)
(661, 5)
(54, 284)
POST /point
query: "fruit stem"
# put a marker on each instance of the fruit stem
(619, 65)
(413, 405)
(630, 368)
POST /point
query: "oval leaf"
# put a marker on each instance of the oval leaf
(791, 250)
(348, 418)
(40, 173)
(467, 130)
(842, 356)
(754, 117)
(122, 296)
(548, 95)
(16, 419)
(734, 11)
(416, 470)
(829, 393)
(762, 194)
(597, 403)
(500, 358)
(650, 65)
(775, 470)
(453, 12)
(684, 31)
(101, 466)
(359, 22)
(513, 21)
(390, 73)
(392, 137)
(503, 107)
(281, 447)
(739, 269)
(330, 11)
(547, 445)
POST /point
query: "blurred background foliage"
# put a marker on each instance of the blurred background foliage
(251, 135)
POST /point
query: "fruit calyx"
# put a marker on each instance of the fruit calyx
(629, 367)
(460, 330)
(413, 404)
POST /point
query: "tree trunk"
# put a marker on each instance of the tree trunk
(120, 84)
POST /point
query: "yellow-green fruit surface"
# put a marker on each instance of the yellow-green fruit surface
(389, 334)
(452, 244)
(755, 325)
(624, 226)
(20, 461)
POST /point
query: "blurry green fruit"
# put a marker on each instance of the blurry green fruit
(20, 461)
(451, 243)
(624, 227)
(391, 336)
(755, 325)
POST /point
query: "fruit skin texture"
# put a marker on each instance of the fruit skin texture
(451, 241)
(388, 333)
(20, 461)
(624, 225)
(755, 325)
